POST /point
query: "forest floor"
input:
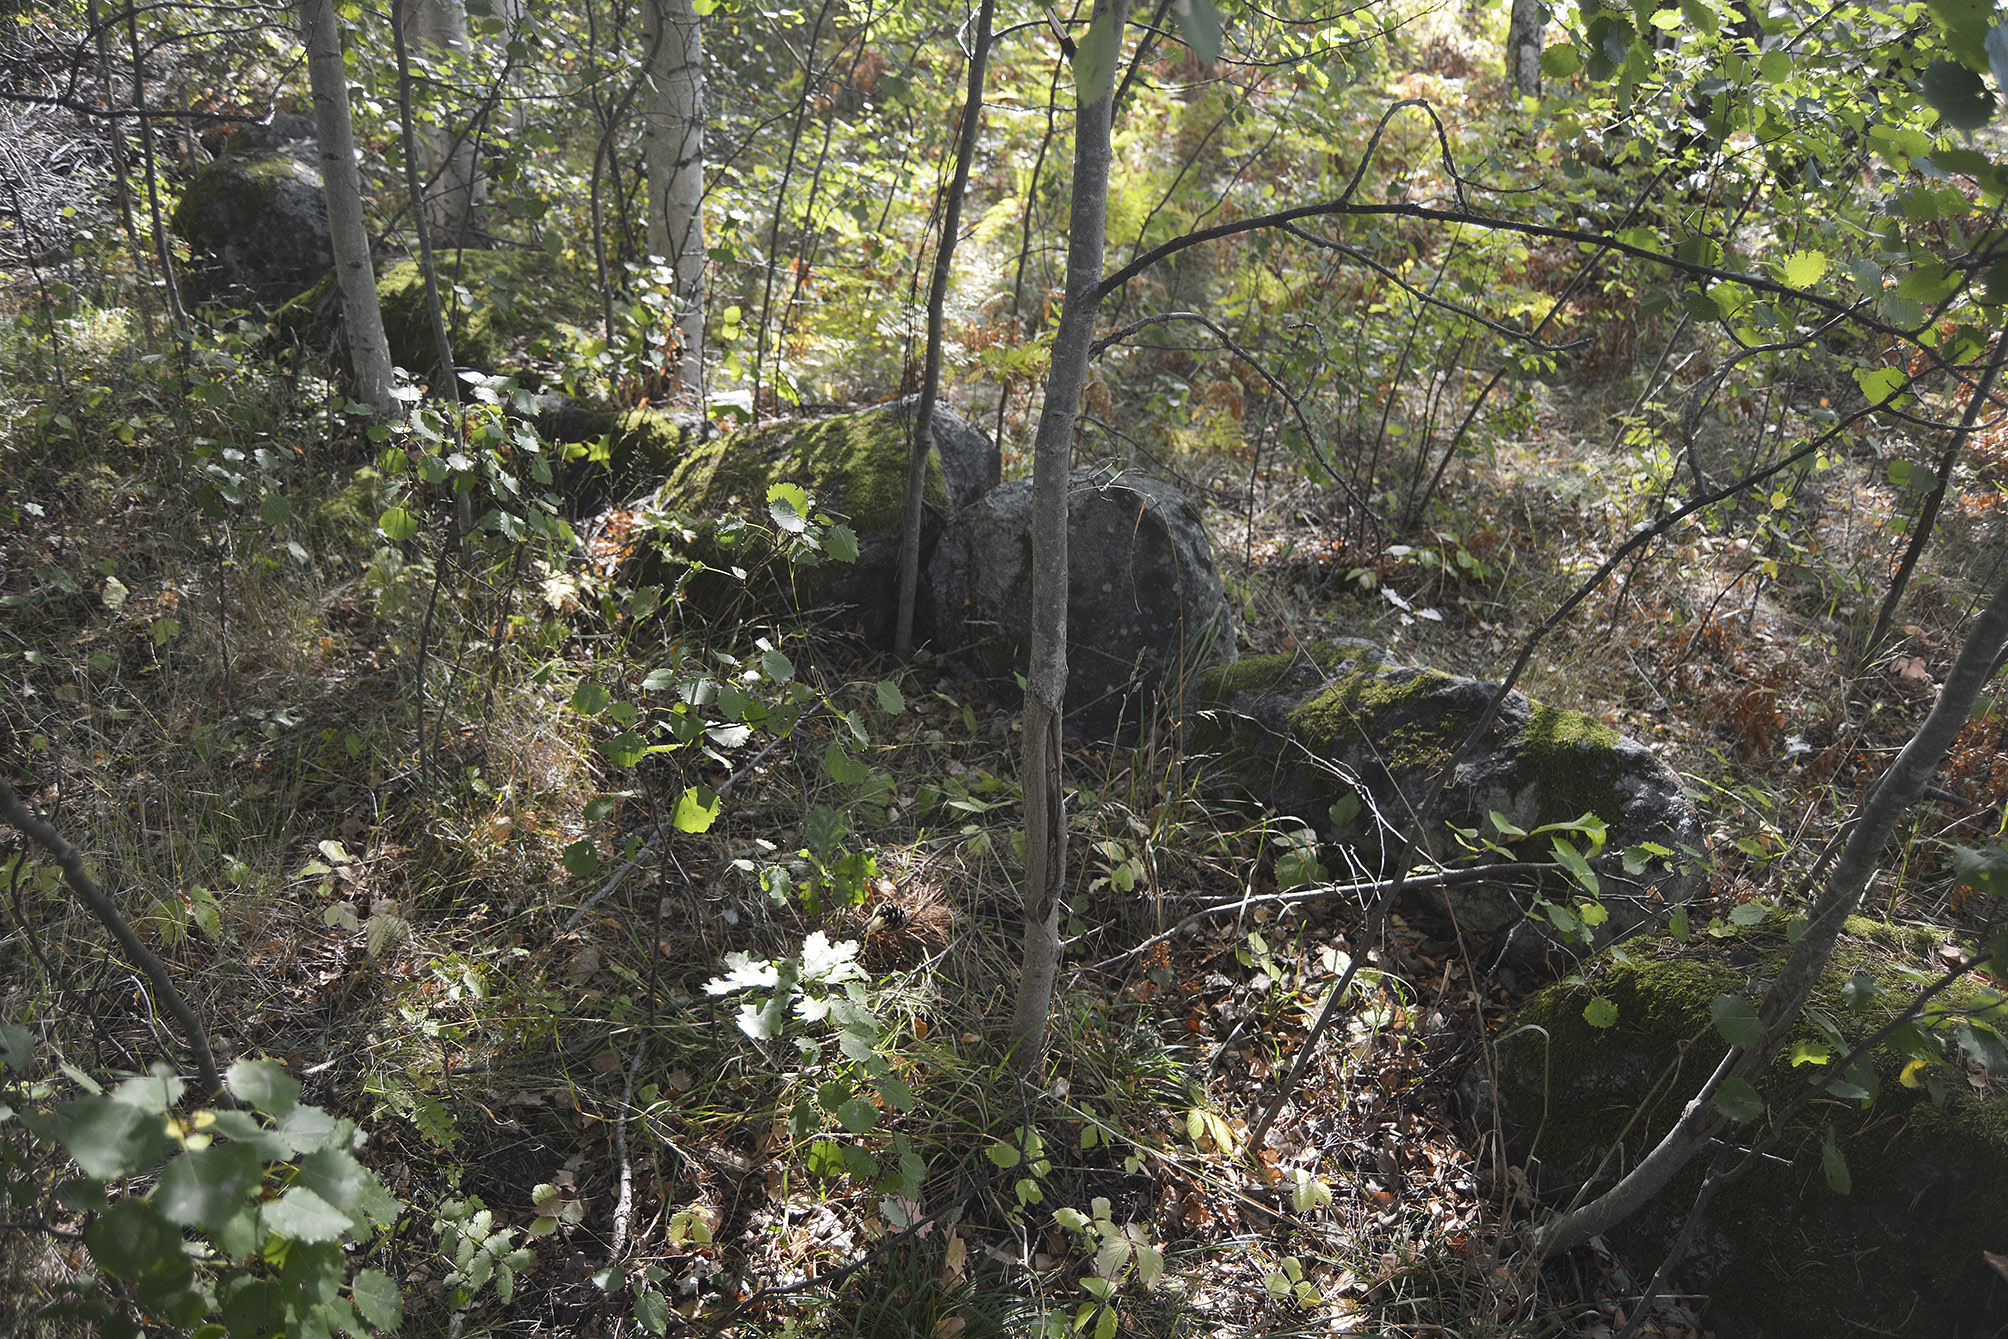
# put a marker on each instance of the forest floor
(347, 812)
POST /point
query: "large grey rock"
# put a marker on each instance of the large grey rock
(1329, 724)
(1145, 608)
(256, 219)
(1780, 1254)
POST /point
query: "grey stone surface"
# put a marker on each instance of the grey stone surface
(1145, 608)
(256, 219)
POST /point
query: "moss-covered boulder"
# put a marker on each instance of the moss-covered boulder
(853, 466)
(256, 219)
(1781, 1253)
(1145, 609)
(1328, 724)
(510, 313)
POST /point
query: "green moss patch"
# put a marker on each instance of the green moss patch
(510, 312)
(1781, 1253)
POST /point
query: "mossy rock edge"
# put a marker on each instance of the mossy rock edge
(1298, 731)
(853, 466)
(1780, 1254)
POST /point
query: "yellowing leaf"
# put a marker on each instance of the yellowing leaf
(1909, 1078)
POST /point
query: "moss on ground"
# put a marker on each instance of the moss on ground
(1900, 1254)
(508, 310)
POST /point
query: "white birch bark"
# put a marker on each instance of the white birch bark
(673, 162)
(436, 31)
(369, 351)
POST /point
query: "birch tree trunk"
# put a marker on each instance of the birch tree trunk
(1525, 32)
(437, 31)
(369, 351)
(1875, 823)
(1046, 678)
(673, 161)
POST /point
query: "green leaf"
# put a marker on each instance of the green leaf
(1736, 1019)
(301, 1215)
(1984, 871)
(581, 858)
(1835, 1166)
(1880, 384)
(1600, 1012)
(858, 1116)
(778, 667)
(378, 1299)
(1003, 1155)
(1809, 1053)
(274, 510)
(1859, 991)
(842, 767)
(841, 542)
(1803, 269)
(335, 1177)
(624, 749)
(1748, 913)
(17, 1048)
(589, 698)
(696, 810)
(207, 1187)
(256, 1309)
(651, 1311)
(131, 1240)
(264, 1085)
(891, 701)
(397, 524)
(106, 1138)
(1199, 23)
(1960, 97)
(1095, 58)
(1561, 61)
(788, 505)
(1737, 1100)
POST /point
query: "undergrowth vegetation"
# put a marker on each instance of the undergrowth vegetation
(651, 966)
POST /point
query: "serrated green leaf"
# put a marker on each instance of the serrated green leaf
(1835, 1166)
(858, 1116)
(1557, 62)
(891, 701)
(1736, 1020)
(651, 1311)
(696, 810)
(1601, 1013)
(397, 524)
(1737, 1100)
(589, 698)
(301, 1215)
(132, 1240)
(788, 506)
(840, 542)
(1959, 96)
(842, 767)
(1803, 269)
(206, 1188)
(378, 1300)
(1880, 384)
(264, 1085)
(1199, 24)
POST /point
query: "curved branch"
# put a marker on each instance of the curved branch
(101, 905)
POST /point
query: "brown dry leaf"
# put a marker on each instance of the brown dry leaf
(606, 1062)
(2000, 1262)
